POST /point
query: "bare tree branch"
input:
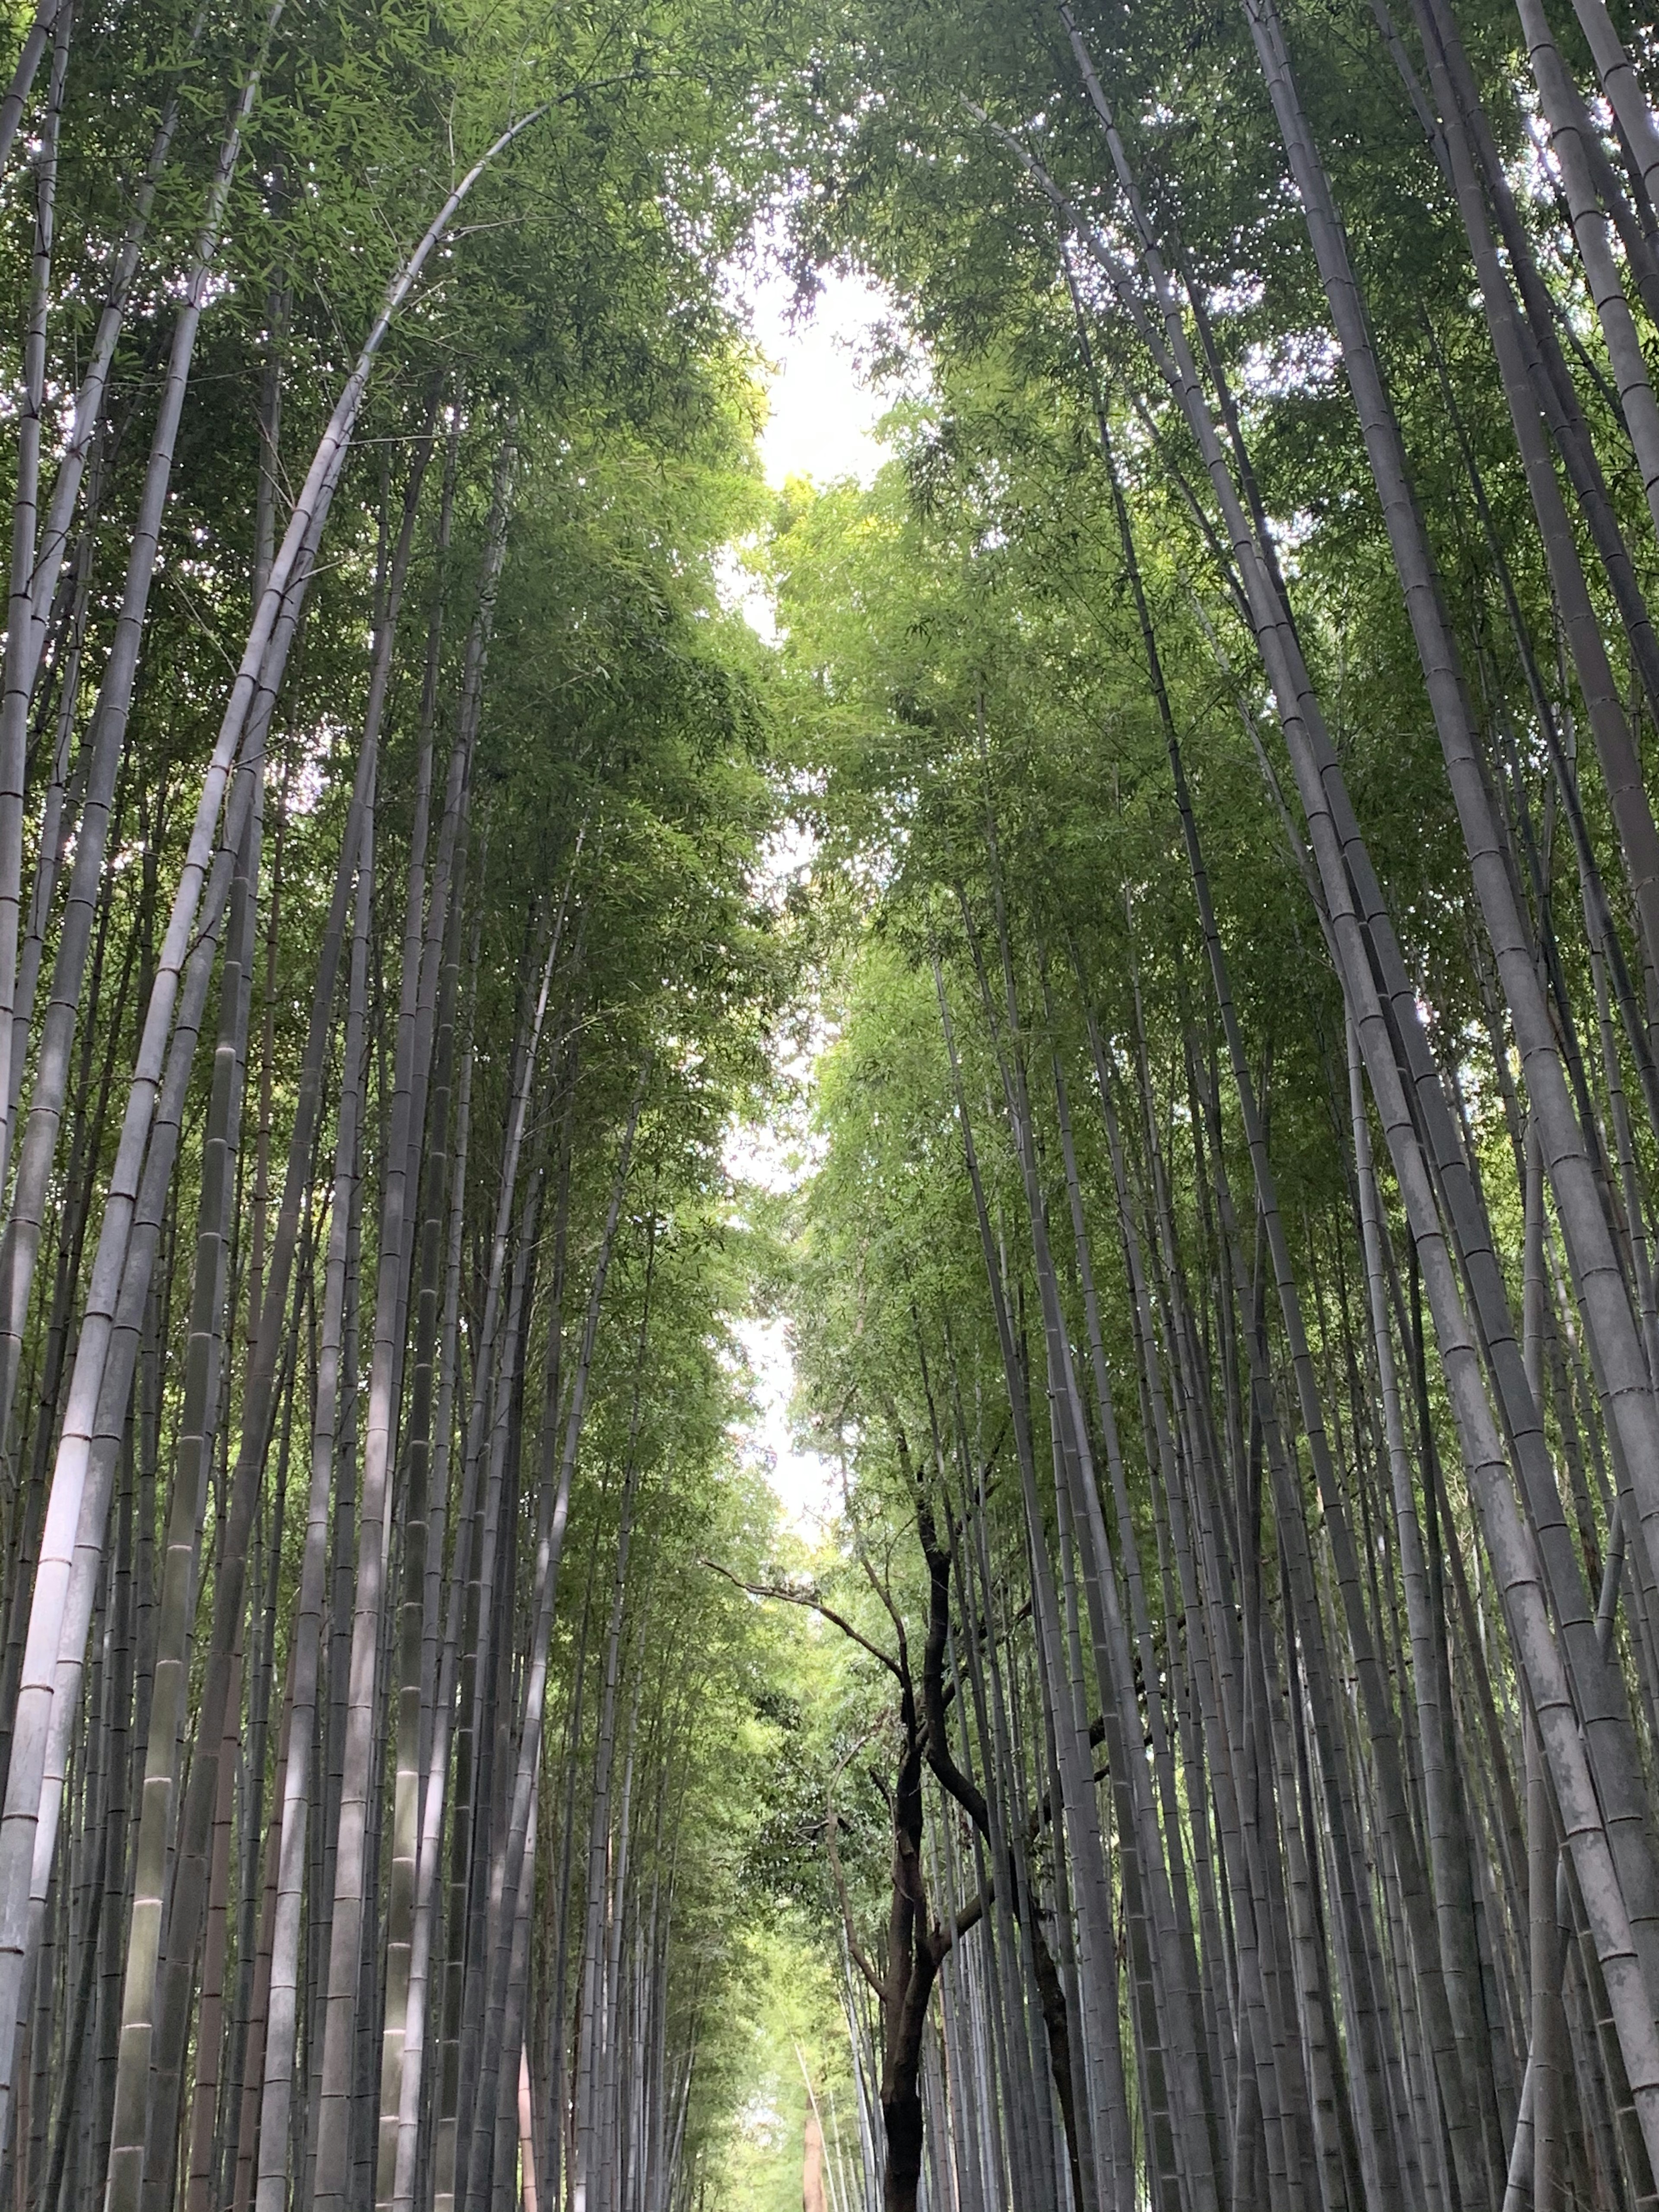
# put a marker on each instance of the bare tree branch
(809, 1600)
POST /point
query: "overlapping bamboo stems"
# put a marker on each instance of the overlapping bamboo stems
(1075, 1762)
(1357, 1955)
(1227, 1720)
(1621, 1371)
(998, 1812)
(557, 2098)
(1453, 1900)
(1345, 872)
(491, 1452)
(1451, 1860)
(1590, 228)
(245, 1487)
(439, 951)
(113, 1779)
(474, 1678)
(434, 1715)
(27, 625)
(30, 406)
(1005, 2087)
(1076, 1482)
(503, 2023)
(138, 2096)
(965, 2122)
(1544, 410)
(282, 2003)
(88, 1117)
(1625, 95)
(590, 2174)
(1008, 2022)
(222, 2014)
(469, 1577)
(1174, 1894)
(400, 1169)
(150, 1209)
(1435, 1746)
(1609, 723)
(29, 1824)
(1473, 1243)
(115, 1381)
(103, 747)
(1452, 1888)
(178, 1988)
(355, 859)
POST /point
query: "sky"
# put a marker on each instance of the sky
(821, 425)
(823, 415)
(807, 1485)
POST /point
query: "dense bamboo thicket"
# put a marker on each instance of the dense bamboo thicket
(382, 790)
(1228, 1286)
(1209, 1758)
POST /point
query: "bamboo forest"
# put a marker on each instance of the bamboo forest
(830, 1106)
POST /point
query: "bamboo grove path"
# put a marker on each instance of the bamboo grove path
(1181, 870)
